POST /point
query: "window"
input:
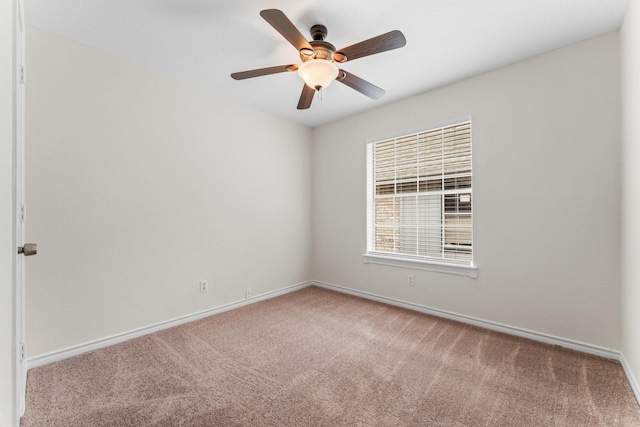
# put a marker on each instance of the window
(419, 196)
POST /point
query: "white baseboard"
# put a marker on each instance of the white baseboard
(536, 336)
(511, 330)
(633, 382)
(116, 339)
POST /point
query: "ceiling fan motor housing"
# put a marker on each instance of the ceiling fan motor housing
(321, 50)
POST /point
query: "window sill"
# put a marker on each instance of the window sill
(421, 264)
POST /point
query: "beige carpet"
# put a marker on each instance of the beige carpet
(320, 358)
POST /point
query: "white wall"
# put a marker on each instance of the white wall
(630, 54)
(546, 195)
(139, 186)
(7, 246)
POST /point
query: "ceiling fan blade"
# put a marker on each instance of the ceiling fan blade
(284, 26)
(263, 71)
(388, 41)
(362, 86)
(306, 97)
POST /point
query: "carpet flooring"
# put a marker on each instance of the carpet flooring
(315, 357)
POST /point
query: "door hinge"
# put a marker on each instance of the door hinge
(23, 213)
(23, 78)
(22, 352)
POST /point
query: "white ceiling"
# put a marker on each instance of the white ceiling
(203, 41)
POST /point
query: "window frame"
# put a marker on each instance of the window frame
(371, 256)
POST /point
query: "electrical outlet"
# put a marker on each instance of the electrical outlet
(204, 286)
(411, 280)
(247, 293)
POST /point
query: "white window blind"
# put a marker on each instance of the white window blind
(419, 195)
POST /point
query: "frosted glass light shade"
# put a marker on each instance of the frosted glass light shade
(318, 73)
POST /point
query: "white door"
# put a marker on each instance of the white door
(20, 215)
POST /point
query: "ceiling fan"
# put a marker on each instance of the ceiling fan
(318, 68)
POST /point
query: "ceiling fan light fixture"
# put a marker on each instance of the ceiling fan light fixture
(318, 73)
